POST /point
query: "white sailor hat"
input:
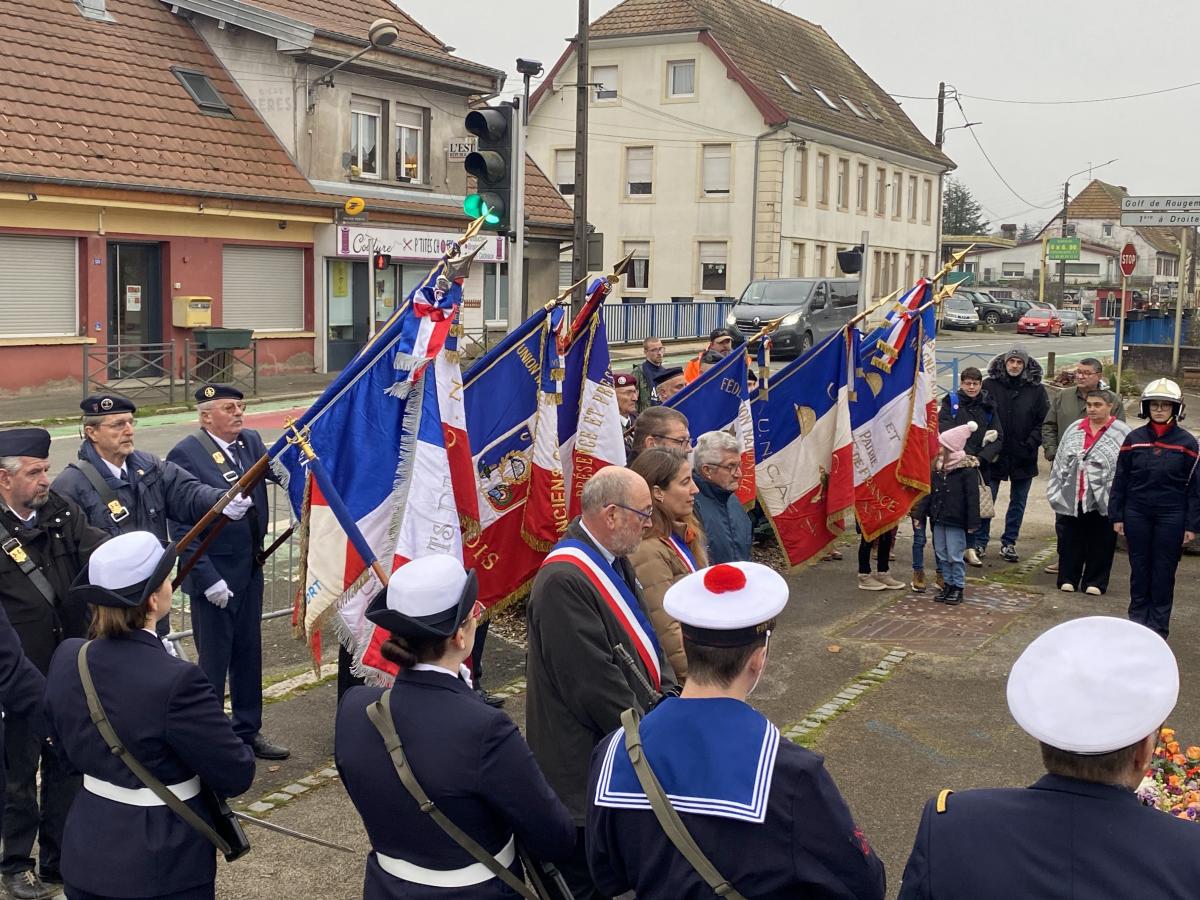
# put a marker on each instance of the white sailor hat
(125, 570)
(430, 596)
(1094, 685)
(727, 605)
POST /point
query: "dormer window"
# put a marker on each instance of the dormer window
(791, 84)
(825, 98)
(851, 106)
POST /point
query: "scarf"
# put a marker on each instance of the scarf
(1082, 477)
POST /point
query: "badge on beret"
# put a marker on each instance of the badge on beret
(210, 392)
(106, 404)
(218, 456)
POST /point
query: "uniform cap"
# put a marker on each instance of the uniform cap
(1094, 685)
(125, 570)
(624, 380)
(208, 392)
(33, 442)
(667, 374)
(727, 605)
(430, 596)
(106, 404)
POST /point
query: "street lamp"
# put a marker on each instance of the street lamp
(1062, 272)
(382, 33)
(956, 127)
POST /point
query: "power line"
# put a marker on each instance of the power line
(970, 128)
(1154, 93)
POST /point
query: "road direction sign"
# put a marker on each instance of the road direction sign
(1128, 259)
(1175, 219)
(1160, 204)
(1062, 248)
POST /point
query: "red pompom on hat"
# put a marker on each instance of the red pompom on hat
(724, 577)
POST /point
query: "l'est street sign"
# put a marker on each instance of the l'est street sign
(1160, 204)
(1175, 219)
(1061, 248)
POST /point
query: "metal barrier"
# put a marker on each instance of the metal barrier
(238, 367)
(137, 371)
(632, 323)
(952, 367)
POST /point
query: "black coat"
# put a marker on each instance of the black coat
(1060, 839)
(577, 685)
(166, 713)
(471, 761)
(60, 542)
(954, 498)
(981, 410)
(1021, 405)
(1156, 473)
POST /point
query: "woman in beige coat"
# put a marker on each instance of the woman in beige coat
(673, 547)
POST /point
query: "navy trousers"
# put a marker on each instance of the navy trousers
(230, 643)
(1155, 541)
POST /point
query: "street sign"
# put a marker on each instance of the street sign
(1061, 248)
(1160, 204)
(1128, 259)
(1160, 218)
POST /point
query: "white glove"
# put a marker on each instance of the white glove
(237, 507)
(218, 594)
(990, 435)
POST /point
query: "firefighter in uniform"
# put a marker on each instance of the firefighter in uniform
(1155, 502)
(226, 584)
(46, 541)
(766, 818)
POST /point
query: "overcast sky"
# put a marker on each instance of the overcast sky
(1015, 50)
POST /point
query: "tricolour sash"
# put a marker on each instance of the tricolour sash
(682, 551)
(617, 596)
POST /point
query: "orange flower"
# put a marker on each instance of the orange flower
(1193, 753)
(1179, 759)
(1173, 780)
(1172, 747)
(1167, 734)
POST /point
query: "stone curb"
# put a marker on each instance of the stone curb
(798, 732)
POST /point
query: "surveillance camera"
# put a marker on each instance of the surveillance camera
(530, 67)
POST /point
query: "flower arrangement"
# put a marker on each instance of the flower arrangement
(1172, 783)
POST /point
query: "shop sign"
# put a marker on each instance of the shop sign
(404, 245)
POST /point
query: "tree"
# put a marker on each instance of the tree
(961, 214)
(1028, 233)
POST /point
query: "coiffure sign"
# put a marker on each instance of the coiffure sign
(401, 245)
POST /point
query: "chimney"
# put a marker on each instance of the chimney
(1008, 231)
(94, 9)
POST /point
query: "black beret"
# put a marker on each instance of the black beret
(106, 404)
(667, 375)
(217, 392)
(33, 442)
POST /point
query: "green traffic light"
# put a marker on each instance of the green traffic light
(474, 206)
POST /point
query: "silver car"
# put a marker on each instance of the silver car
(959, 312)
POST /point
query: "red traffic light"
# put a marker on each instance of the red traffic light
(381, 261)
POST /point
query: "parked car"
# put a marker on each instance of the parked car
(991, 310)
(812, 309)
(959, 312)
(1073, 322)
(1041, 321)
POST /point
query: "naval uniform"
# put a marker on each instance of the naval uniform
(1059, 839)
(472, 762)
(1156, 493)
(230, 638)
(763, 810)
(120, 840)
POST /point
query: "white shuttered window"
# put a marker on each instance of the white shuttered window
(263, 288)
(715, 170)
(39, 294)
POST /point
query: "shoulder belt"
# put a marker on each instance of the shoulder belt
(218, 457)
(941, 800)
(380, 714)
(116, 510)
(667, 817)
(12, 547)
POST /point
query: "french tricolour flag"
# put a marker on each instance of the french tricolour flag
(719, 400)
(802, 443)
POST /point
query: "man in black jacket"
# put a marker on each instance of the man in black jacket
(971, 403)
(592, 649)
(1014, 384)
(46, 541)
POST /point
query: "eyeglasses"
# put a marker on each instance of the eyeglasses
(684, 441)
(646, 514)
(731, 468)
(119, 426)
(237, 406)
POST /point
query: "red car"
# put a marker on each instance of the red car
(1040, 321)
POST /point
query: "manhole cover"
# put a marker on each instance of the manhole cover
(915, 622)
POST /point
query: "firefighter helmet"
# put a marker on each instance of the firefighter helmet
(1162, 389)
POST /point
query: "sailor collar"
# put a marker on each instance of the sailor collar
(713, 757)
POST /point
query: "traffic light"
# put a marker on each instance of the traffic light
(492, 165)
(381, 261)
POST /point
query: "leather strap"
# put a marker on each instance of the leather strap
(100, 720)
(13, 549)
(380, 715)
(219, 458)
(667, 817)
(116, 510)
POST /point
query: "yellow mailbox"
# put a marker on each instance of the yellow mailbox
(191, 312)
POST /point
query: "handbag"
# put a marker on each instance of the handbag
(987, 505)
(225, 833)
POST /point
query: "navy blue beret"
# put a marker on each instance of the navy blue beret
(208, 392)
(106, 404)
(33, 442)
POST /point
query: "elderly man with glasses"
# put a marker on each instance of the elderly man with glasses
(226, 584)
(717, 471)
(592, 649)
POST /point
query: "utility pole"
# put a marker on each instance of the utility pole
(579, 265)
(940, 135)
(516, 256)
(939, 139)
(1062, 272)
(1176, 340)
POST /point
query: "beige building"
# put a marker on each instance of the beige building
(730, 141)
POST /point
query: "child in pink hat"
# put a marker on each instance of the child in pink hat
(953, 508)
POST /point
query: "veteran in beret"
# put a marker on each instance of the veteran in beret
(627, 404)
(1093, 692)
(226, 584)
(46, 541)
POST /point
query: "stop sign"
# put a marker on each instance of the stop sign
(1128, 259)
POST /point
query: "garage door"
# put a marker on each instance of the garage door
(263, 288)
(38, 286)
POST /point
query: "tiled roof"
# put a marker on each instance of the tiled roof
(761, 42)
(1100, 200)
(353, 18)
(544, 205)
(97, 102)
